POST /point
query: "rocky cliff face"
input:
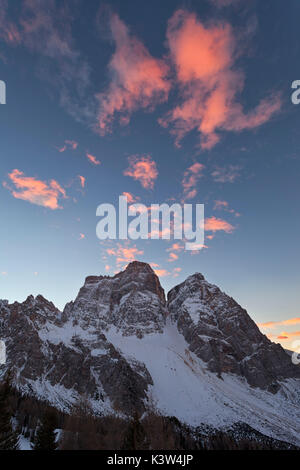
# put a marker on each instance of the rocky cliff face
(133, 301)
(221, 332)
(199, 356)
(60, 356)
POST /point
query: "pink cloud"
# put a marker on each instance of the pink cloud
(176, 272)
(223, 205)
(81, 236)
(138, 79)
(131, 199)
(220, 205)
(124, 254)
(204, 57)
(190, 179)
(213, 224)
(92, 159)
(72, 144)
(142, 169)
(176, 247)
(35, 191)
(161, 272)
(172, 257)
(82, 180)
(289, 334)
(273, 324)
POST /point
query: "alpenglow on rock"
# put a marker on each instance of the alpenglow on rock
(198, 356)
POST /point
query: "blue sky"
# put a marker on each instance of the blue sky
(67, 68)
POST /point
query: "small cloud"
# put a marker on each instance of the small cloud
(154, 265)
(290, 334)
(82, 180)
(273, 324)
(172, 257)
(160, 272)
(35, 191)
(220, 205)
(124, 254)
(176, 247)
(190, 179)
(68, 144)
(226, 175)
(223, 205)
(213, 224)
(93, 159)
(131, 199)
(81, 236)
(142, 169)
(176, 272)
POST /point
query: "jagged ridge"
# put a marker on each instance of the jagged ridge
(120, 344)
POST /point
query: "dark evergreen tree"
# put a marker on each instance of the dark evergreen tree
(45, 436)
(8, 437)
(135, 436)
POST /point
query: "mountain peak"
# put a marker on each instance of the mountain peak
(196, 276)
(133, 301)
(138, 266)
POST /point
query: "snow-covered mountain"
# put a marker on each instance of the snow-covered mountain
(197, 356)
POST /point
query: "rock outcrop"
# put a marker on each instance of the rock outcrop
(221, 333)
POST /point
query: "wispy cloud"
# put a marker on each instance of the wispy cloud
(288, 335)
(71, 144)
(204, 57)
(92, 159)
(190, 179)
(45, 28)
(35, 191)
(274, 324)
(142, 169)
(8, 30)
(138, 80)
(131, 199)
(227, 174)
(172, 257)
(124, 254)
(82, 180)
(214, 224)
(223, 205)
(162, 272)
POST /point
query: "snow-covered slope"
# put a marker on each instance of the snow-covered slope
(198, 357)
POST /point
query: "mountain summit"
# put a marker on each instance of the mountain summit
(197, 356)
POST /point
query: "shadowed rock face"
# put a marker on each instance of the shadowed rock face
(60, 356)
(68, 354)
(221, 333)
